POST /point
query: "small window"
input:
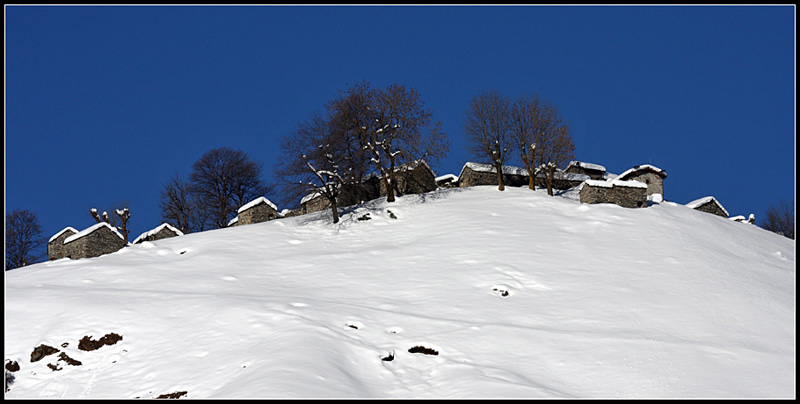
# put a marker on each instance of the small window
(647, 181)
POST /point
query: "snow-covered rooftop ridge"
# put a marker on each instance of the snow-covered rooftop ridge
(702, 201)
(234, 220)
(57, 235)
(588, 166)
(310, 197)
(91, 230)
(613, 183)
(451, 177)
(643, 167)
(489, 168)
(156, 230)
(255, 202)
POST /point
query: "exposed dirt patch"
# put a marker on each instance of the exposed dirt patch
(86, 343)
(176, 394)
(69, 360)
(41, 351)
(388, 358)
(12, 366)
(54, 366)
(365, 217)
(423, 350)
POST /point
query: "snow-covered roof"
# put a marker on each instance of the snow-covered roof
(488, 168)
(588, 166)
(57, 235)
(447, 177)
(156, 230)
(702, 201)
(309, 197)
(644, 167)
(257, 201)
(234, 220)
(615, 183)
(91, 230)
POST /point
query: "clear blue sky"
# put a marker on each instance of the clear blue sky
(105, 104)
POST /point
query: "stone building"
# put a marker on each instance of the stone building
(447, 181)
(651, 176)
(474, 174)
(708, 204)
(55, 247)
(258, 210)
(161, 232)
(100, 239)
(410, 178)
(594, 171)
(628, 194)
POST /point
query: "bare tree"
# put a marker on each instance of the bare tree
(524, 117)
(23, 239)
(780, 218)
(554, 147)
(313, 161)
(223, 180)
(387, 128)
(350, 116)
(487, 128)
(179, 207)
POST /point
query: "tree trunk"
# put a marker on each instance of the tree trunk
(550, 174)
(388, 183)
(334, 210)
(531, 177)
(500, 185)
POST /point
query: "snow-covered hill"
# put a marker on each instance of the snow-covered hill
(519, 294)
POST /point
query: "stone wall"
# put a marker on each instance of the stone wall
(99, 242)
(713, 208)
(261, 212)
(471, 178)
(654, 182)
(625, 196)
(55, 248)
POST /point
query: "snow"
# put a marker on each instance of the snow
(446, 177)
(618, 183)
(57, 235)
(158, 229)
(255, 202)
(588, 166)
(702, 201)
(91, 230)
(488, 168)
(641, 168)
(523, 295)
(309, 197)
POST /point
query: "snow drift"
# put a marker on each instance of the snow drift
(519, 295)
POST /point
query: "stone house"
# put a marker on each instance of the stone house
(474, 174)
(708, 204)
(651, 176)
(55, 246)
(594, 171)
(485, 174)
(628, 194)
(411, 178)
(447, 181)
(97, 240)
(258, 210)
(161, 232)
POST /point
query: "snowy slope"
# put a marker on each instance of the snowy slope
(521, 295)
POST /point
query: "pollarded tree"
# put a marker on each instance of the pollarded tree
(120, 221)
(780, 219)
(313, 161)
(23, 239)
(488, 131)
(223, 180)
